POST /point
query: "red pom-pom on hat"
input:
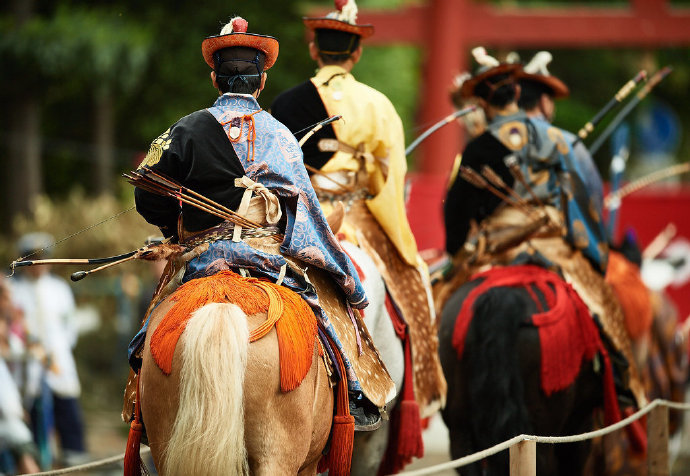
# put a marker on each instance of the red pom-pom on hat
(239, 25)
(234, 33)
(339, 4)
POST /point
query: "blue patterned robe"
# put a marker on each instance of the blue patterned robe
(274, 159)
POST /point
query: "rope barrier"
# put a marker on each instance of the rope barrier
(88, 466)
(465, 460)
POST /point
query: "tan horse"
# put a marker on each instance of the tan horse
(221, 410)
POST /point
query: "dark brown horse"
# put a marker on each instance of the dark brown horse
(495, 389)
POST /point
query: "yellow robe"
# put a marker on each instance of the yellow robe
(369, 118)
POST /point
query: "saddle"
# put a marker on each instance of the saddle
(367, 365)
(487, 247)
(376, 384)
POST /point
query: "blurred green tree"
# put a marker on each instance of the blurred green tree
(62, 53)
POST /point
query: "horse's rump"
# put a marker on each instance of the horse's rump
(500, 345)
(210, 384)
(224, 407)
(577, 270)
(568, 336)
(293, 318)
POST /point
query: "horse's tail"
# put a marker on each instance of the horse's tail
(209, 428)
(490, 357)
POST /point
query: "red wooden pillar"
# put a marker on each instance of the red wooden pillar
(445, 58)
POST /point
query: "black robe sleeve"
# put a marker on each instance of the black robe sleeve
(299, 109)
(465, 202)
(195, 152)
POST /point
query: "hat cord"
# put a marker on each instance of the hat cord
(242, 77)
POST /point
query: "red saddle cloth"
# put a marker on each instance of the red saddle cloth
(567, 333)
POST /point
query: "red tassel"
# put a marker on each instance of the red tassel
(410, 442)
(342, 440)
(612, 412)
(339, 458)
(132, 461)
(425, 423)
(132, 456)
(636, 432)
(322, 467)
(405, 440)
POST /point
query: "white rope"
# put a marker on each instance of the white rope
(89, 466)
(465, 460)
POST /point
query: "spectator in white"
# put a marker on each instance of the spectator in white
(15, 436)
(48, 306)
(17, 450)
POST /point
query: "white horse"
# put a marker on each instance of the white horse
(370, 446)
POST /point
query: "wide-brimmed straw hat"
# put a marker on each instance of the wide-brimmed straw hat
(344, 18)
(235, 34)
(488, 67)
(536, 70)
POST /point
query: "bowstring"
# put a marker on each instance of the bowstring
(83, 230)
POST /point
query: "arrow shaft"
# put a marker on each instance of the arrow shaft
(627, 109)
(619, 97)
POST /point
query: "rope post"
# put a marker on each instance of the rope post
(523, 458)
(657, 437)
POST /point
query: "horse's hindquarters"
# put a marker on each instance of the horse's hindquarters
(233, 418)
(204, 432)
(285, 432)
(496, 380)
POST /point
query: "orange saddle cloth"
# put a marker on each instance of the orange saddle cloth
(294, 320)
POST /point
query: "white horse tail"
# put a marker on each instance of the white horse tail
(208, 433)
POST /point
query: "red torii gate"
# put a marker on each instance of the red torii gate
(448, 29)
